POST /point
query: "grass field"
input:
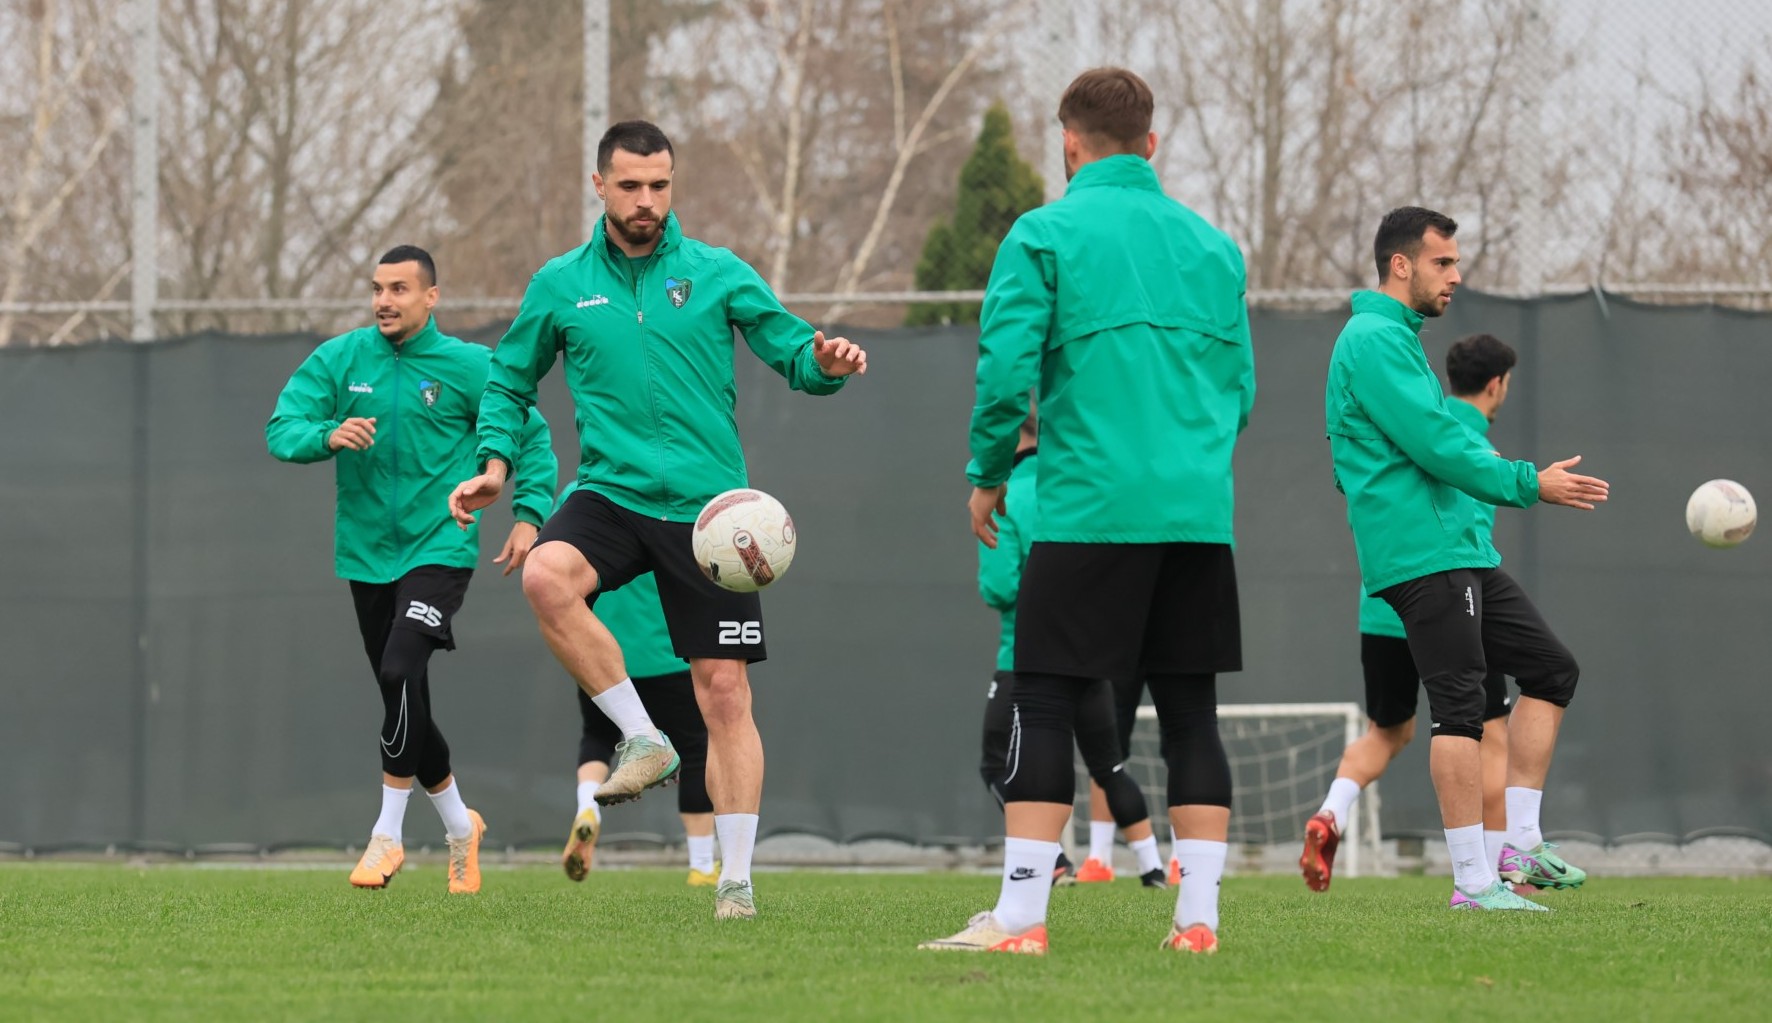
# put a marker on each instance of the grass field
(89, 942)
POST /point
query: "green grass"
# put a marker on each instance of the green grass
(97, 942)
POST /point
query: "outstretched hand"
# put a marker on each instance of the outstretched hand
(838, 356)
(517, 546)
(1557, 485)
(984, 501)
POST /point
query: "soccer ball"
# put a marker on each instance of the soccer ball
(744, 540)
(1721, 513)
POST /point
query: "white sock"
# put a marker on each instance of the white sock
(453, 811)
(1149, 858)
(1340, 801)
(1471, 869)
(1202, 868)
(701, 853)
(1027, 883)
(587, 797)
(1492, 843)
(1101, 841)
(621, 703)
(393, 812)
(738, 837)
(1522, 818)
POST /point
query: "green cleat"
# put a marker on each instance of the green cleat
(640, 763)
(1496, 896)
(734, 900)
(1540, 867)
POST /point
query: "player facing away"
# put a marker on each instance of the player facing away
(1127, 310)
(395, 406)
(1480, 369)
(643, 318)
(1405, 464)
(1112, 790)
(635, 618)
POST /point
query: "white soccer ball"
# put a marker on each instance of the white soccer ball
(744, 540)
(1721, 513)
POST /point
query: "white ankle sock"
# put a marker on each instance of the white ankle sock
(587, 797)
(621, 703)
(393, 812)
(1101, 841)
(1027, 883)
(1149, 858)
(738, 838)
(1522, 818)
(1471, 868)
(701, 853)
(1202, 868)
(453, 811)
(1340, 801)
(1492, 843)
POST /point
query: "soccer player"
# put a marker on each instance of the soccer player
(1480, 368)
(395, 406)
(644, 317)
(1402, 460)
(1113, 792)
(636, 620)
(1127, 310)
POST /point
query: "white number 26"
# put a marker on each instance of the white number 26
(741, 633)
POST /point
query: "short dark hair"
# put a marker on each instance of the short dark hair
(642, 138)
(1110, 104)
(427, 269)
(1474, 361)
(1402, 230)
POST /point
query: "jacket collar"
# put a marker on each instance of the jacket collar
(425, 338)
(1380, 304)
(1121, 171)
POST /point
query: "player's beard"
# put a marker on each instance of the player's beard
(635, 235)
(1425, 301)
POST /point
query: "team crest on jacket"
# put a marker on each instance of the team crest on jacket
(677, 291)
(429, 390)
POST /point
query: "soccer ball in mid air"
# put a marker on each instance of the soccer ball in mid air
(744, 540)
(1721, 513)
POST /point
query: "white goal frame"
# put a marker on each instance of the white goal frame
(1361, 850)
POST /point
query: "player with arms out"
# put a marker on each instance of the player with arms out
(643, 318)
(1127, 310)
(1406, 463)
(395, 406)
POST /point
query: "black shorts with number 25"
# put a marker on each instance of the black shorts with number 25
(621, 544)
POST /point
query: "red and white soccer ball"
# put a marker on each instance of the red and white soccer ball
(1721, 513)
(744, 540)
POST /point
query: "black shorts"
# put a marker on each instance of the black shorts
(424, 600)
(1110, 610)
(1464, 624)
(1393, 684)
(704, 620)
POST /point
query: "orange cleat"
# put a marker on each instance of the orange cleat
(984, 934)
(381, 861)
(1196, 940)
(1321, 838)
(464, 858)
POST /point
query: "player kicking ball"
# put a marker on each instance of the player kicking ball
(1406, 465)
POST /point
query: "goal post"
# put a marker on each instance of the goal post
(1283, 757)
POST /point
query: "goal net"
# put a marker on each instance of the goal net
(1283, 757)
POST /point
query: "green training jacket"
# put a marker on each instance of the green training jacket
(999, 570)
(392, 512)
(1378, 618)
(1402, 459)
(648, 347)
(1126, 309)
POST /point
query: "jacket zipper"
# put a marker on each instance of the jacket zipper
(394, 477)
(640, 320)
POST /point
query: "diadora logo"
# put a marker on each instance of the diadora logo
(586, 303)
(361, 389)
(421, 611)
